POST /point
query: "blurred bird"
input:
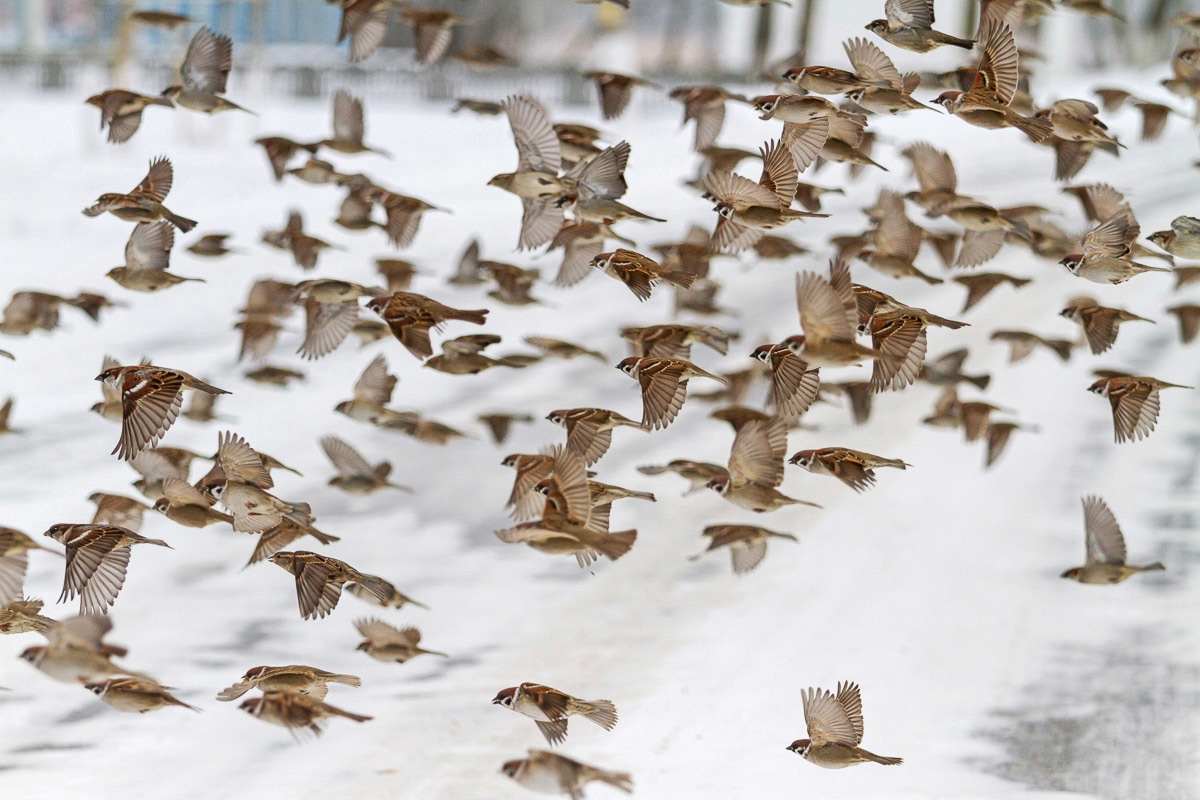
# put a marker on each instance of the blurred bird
(756, 468)
(296, 712)
(909, 25)
(280, 150)
(1183, 239)
(1100, 324)
(147, 256)
(1105, 547)
(348, 126)
(75, 651)
(615, 91)
(431, 30)
(319, 580)
(551, 709)
(747, 544)
(663, 384)
(550, 773)
(389, 644)
(355, 474)
(135, 696)
(1021, 345)
(14, 560)
(121, 111)
(295, 678)
(144, 202)
(203, 74)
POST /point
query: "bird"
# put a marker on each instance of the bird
(463, 355)
(886, 90)
(829, 319)
(981, 284)
(696, 473)
(747, 544)
(160, 19)
(14, 560)
(909, 25)
(638, 272)
(75, 651)
(364, 22)
(794, 385)
(411, 316)
(97, 558)
(144, 201)
(854, 468)
(1105, 255)
(319, 580)
(121, 111)
(1105, 547)
(1100, 323)
(349, 127)
(147, 256)
(756, 468)
(431, 31)
(389, 644)
(204, 73)
(551, 709)
(1183, 238)
(998, 434)
(116, 509)
(988, 103)
(1188, 316)
(280, 150)
(663, 383)
(135, 696)
(151, 398)
(355, 474)
(835, 729)
(1134, 401)
(589, 430)
(705, 105)
(295, 678)
(183, 503)
(1021, 344)
(550, 773)
(615, 90)
(296, 712)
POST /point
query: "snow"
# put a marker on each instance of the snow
(937, 591)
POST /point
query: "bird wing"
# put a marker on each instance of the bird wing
(240, 462)
(1105, 543)
(871, 63)
(149, 406)
(739, 192)
(326, 326)
(206, 66)
(822, 314)
(997, 75)
(537, 145)
(157, 183)
(348, 125)
(826, 718)
(348, 461)
(375, 384)
(909, 13)
(757, 452)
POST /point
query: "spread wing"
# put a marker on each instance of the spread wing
(150, 403)
(375, 384)
(757, 452)
(826, 719)
(909, 13)
(348, 461)
(1105, 543)
(326, 326)
(348, 125)
(822, 314)
(157, 183)
(149, 246)
(997, 76)
(871, 64)
(207, 63)
(537, 144)
(240, 462)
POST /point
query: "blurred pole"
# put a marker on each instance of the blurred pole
(806, 21)
(971, 23)
(123, 47)
(34, 26)
(762, 37)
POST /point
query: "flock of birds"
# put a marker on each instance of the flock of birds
(570, 188)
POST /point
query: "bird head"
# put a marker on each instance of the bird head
(802, 459)
(1100, 387)
(505, 697)
(766, 105)
(801, 747)
(877, 26)
(1073, 573)
(948, 100)
(630, 366)
(1072, 262)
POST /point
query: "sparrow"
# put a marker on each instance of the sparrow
(1134, 401)
(364, 22)
(638, 272)
(513, 284)
(296, 712)
(615, 90)
(144, 201)
(549, 773)
(355, 474)
(1183, 239)
(272, 540)
(372, 392)
(319, 580)
(348, 126)
(499, 424)
(860, 396)
(151, 398)
(463, 355)
(97, 558)
(589, 430)
(885, 90)
(14, 560)
(254, 510)
(1077, 121)
(76, 652)
(411, 316)
(483, 57)
(326, 326)
(160, 19)
(147, 256)
(1100, 323)
(675, 341)
(296, 678)
(756, 468)
(24, 616)
(201, 408)
(981, 284)
(273, 376)
(897, 240)
(998, 434)
(556, 534)
(388, 644)
(909, 25)
(706, 105)
(988, 103)
(403, 214)
(1105, 257)
(551, 709)
(203, 74)
(536, 181)
(1105, 545)
(663, 384)
(557, 348)
(747, 544)
(134, 695)
(829, 318)
(29, 311)
(523, 502)
(1022, 344)
(280, 150)
(696, 473)
(116, 509)
(431, 31)
(1189, 321)
(186, 505)
(794, 385)
(394, 597)
(121, 111)
(854, 468)
(835, 729)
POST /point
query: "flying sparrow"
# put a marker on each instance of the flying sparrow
(431, 31)
(388, 644)
(1106, 256)
(1189, 321)
(24, 616)
(615, 90)
(151, 398)
(696, 473)
(909, 25)
(355, 474)
(116, 509)
(981, 284)
(793, 385)
(1022, 344)
(483, 57)
(829, 318)
(854, 468)
(998, 434)
(296, 712)
(273, 376)
(273, 540)
(1105, 547)
(747, 544)
(549, 773)
(147, 256)
(14, 560)
(589, 430)
(706, 105)
(394, 597)
(186, 505)
(97, 558)
(411, 316)
(551, 709)
(638, 272)
(675, 341)
(348, 126)
(886, 92)
(555, 534)
(1134, 401)
(144, 201)
(255, 510)
(372, 392)
(1100, 323)
(29, 311)
(121, 111)
(897, 240)
(280, 150)
(295, 678)
(835, 729)
(134, 695)
(203, 74)
(1183, 239)
(663, 384)
(499, 424)
(756, 468)
(160, 19)
(76, 652)
(319, 580)
(523, 502)
(988, 103)
(364, 22)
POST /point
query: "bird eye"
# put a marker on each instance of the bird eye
(97, 690)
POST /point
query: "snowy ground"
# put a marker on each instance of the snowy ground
(937, 591)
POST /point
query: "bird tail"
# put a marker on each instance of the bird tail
(348, 714)
(618, 780)
(615, 545)
(345, 680)
(643, 496)
(979, 381)
(477, 316)
(945, 38)
(885, 760)
(601, 712)
(158, 542)
(1155, 567)
(1061, 348)
(207, 388)
(683, 280)
(323, 538)
(893, 462)
(1148, 268)
(182, 223)
(1035, 128)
